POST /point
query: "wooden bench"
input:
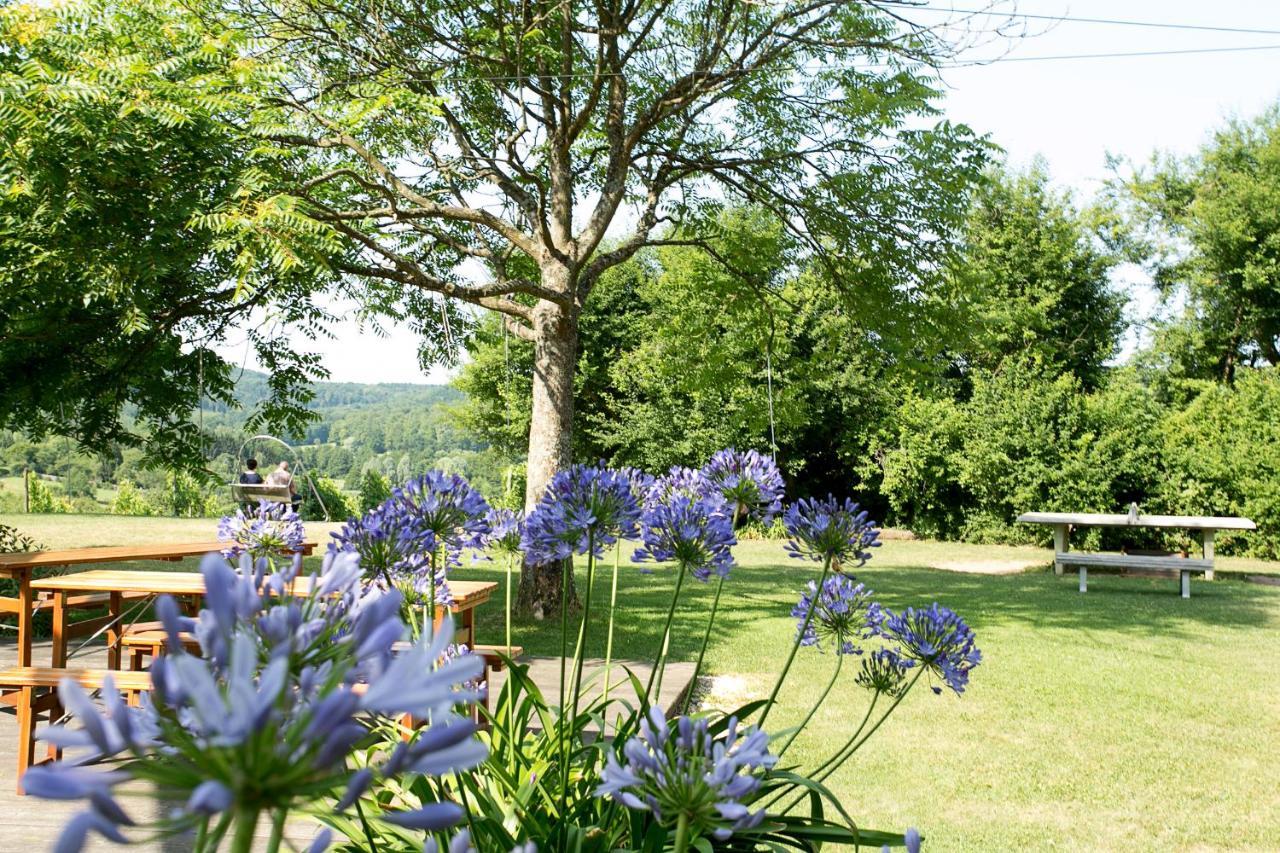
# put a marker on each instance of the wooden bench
(1184, 567)
(145, 640)
(34, 692)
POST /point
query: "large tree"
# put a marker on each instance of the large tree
(506, 155)
(1208, 227)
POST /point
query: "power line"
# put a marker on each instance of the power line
(1074, 20)
(1119, 55)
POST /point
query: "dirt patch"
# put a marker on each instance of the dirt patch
(988, 567)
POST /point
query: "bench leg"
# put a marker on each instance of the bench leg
(26, 733)
(1186, 584)
(1084, 579)
(1207, 539)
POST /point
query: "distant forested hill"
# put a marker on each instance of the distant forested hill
(397, 430)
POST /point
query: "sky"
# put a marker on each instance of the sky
(1071, 112)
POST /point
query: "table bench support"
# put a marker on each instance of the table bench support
(1186, 583)
(1084, 579)
(1061, 545)
(1207, 539)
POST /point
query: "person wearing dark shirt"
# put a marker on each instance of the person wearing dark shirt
(250, 475)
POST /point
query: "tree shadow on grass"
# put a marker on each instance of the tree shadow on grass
(760, 593)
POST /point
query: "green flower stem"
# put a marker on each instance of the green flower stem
(666, 635)
(850, 750)
(816, 706)
(613, 604)
(246, 823)
(706, 638)
(566, 571)
(835, 756)
(202, 836)
(580, 650)
(277, 830)
(682, 834)
(804, 627)
(431, 605)
(511, 559)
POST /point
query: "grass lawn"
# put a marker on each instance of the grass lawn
(1124, 719)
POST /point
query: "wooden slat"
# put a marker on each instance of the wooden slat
(466, 594)
(48, 676)
(1098, 519)
(115, 554)
(1136, 561)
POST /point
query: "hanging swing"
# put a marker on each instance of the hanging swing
(283, 493)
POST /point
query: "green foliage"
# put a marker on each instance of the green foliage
(1223, 457)
(130, 500)
(117, 287)
(12, 541)
(1039, 276)
(42, 499)
(1026, 440)
(339, 504)
(1208, 227)
(374, 489)
(185, 496)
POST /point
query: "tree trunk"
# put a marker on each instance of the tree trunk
(555, 358)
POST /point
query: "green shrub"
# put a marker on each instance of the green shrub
(1223, 456)
(42, 498)
(340, 507)
(130, 500)
(374, 489)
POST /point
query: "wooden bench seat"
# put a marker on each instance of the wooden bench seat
(34, 692)
(1184, 567)
(147, 640)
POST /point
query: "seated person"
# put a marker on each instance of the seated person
(282, 476)
(250, 476)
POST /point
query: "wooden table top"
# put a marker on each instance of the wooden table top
(12, 564)
(466, 594)
(1101, 519)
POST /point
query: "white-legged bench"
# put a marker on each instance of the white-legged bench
(1184, 567)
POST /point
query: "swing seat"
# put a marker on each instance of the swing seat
(247, 493)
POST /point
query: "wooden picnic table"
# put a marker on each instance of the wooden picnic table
(467, 596)
(20, 566)
(1064, 522)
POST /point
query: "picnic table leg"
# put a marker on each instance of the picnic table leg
(25, 614)
(26, 732)
(113, 631)
(60, 629)
(1061, 545)
(1084, 579)
(1186, 583)
(1207, 539)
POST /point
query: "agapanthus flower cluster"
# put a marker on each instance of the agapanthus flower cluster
(269, 530)
(749, 482)
(679, 482)
(291, 671)
(939, 639)
(830, 529)
(506, 527)
(884, 671)
(585, 507)
(694, 533)
(681, 768)
(449, 507)
(843, 614)
(395, 547)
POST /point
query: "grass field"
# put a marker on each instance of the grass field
(1124, 719)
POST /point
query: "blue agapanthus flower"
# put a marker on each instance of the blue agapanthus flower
(694, 533)
(884, 671)
(681, 768)
(269, 530)
(584, 506)
(830, 529)
(449, 507)
(679, 482)
(265, 716)
(938, 639)
(749, 482)
(395, 545)
(843, 614)
(506, 528)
